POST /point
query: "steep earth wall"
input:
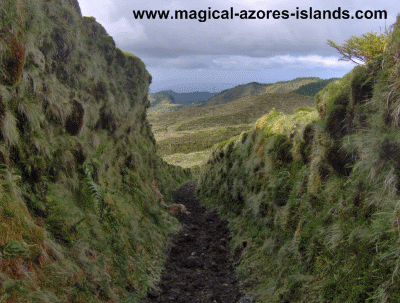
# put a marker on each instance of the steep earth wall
(313, 198)
(79, 220)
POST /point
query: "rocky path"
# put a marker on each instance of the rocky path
(198, 268)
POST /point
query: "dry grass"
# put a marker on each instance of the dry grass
(188, 160)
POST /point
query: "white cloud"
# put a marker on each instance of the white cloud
(249, 63)
(126, 31)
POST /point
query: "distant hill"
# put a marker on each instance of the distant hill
(313, 88)
(236, 92)
(188, 98)
(291, 85)
(168, 100)
(162, 102)
(161, 97)
(255, 88)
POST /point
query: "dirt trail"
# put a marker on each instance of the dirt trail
(198, 268)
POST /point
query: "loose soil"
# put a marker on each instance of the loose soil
(199, 267)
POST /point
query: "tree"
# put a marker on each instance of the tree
(365, 48)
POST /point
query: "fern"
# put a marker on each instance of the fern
(15, 248)
(100, 150)
(139, 192)
(96, 191)
(131, 187)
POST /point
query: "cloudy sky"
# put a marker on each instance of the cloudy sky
(189, 55)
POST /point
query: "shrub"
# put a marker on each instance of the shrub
(365, 48)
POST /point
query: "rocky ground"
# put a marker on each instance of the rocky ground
(199, 268)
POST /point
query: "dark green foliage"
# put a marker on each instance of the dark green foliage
(311, 89)
(281, 191)
(93, 27)
(107, 119)
(306, 143)
(107, 45)
(308, 133)
(329, 291)
(390, 152)
(119, 57)
(36, 207)
(62, 47)
(361, 85)
(100, 90)
(341, 161)
(292, 293)
(305, 151)
(2, 110)
(281, 149)
(58, 228)
(244, 136)
(74, 122)
(336, 113)
(79, 154)
(229, 148)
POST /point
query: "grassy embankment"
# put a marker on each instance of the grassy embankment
(313, 198)
(79, 220)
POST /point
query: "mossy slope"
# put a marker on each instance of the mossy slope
(314, 201)
(79, 220)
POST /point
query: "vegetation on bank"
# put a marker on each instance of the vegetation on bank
(79, 220)
(313, 199)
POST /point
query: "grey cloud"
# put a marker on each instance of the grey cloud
(182, 49)
(258, 38)
(189, 62)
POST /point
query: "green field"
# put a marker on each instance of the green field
(192, 130)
